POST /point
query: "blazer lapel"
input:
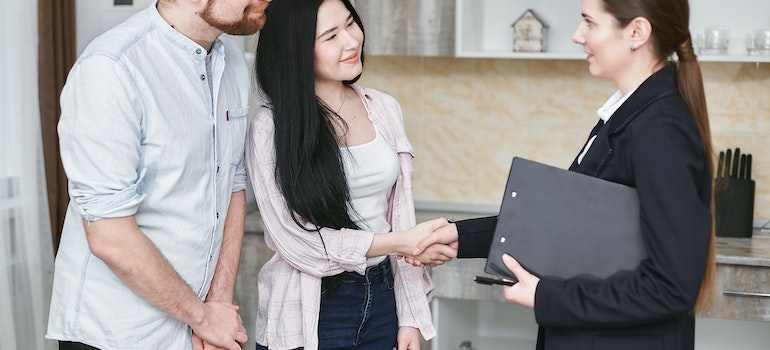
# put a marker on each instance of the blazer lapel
(650, 91)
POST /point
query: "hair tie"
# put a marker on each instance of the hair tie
(685, 51)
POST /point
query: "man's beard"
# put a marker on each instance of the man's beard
(245, 26)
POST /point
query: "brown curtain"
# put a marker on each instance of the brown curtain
(56, 27)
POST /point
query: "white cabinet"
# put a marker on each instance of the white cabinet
(491, 325)
(488, 325)
(483, 27)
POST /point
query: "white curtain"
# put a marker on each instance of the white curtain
(26, 253)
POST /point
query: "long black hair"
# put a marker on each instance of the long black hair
(309, 167)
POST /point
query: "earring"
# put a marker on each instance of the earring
(633, 47)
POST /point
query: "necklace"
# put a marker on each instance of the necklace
(344, 94)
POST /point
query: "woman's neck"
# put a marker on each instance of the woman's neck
(637, 76)
(333, 95)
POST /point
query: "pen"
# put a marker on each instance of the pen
(491, 281)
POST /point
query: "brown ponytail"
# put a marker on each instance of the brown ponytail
(690, 83)
(670, 21)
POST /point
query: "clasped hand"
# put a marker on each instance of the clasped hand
(441, 245)
(222, 328)
(437, 244)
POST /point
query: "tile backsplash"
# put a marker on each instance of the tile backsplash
(467, 118)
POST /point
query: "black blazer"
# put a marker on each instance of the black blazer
(650, 143)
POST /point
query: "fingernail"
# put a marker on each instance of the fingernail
(507, 257)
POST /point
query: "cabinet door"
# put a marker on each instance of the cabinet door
(742, 293)
(487, 325)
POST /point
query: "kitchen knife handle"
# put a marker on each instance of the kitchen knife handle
(728, 162)
(748, 166)
(736, 162)
(742, 166)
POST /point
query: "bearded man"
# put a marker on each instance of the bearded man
(152, 135)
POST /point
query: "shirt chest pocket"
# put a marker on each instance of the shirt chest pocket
(236, 121)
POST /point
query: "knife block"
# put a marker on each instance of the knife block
(734, 207)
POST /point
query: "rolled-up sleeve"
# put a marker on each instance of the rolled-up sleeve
(100, 139)
(239, 181)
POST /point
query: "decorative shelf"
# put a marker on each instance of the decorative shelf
(483, 27)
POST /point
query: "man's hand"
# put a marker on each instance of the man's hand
(220, 327)
(199, 344)
(223, 282)
(135, 259)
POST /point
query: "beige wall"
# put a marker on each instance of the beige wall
(468, 117)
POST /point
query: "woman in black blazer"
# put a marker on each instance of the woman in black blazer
(655, 138)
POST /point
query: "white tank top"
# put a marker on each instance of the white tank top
(371, 170)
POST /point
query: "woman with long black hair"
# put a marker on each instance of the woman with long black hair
(331, 168)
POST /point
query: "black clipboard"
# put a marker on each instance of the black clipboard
(562, 224)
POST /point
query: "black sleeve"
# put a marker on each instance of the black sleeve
(475, 236)
(673, 180)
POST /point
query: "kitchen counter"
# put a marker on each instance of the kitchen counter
(742, 287)
(754, 251)
(743, 269)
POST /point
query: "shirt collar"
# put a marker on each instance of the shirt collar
(611, 106)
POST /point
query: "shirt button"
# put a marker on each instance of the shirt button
(203, 76)
(217, 215)
(198, 51)
(217, 169)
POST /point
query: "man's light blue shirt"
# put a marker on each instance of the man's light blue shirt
(145, 131)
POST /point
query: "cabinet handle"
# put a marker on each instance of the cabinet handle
(747, 294)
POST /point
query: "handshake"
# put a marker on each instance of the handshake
(433, 242)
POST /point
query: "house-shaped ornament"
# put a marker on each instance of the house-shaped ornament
(529, 32)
